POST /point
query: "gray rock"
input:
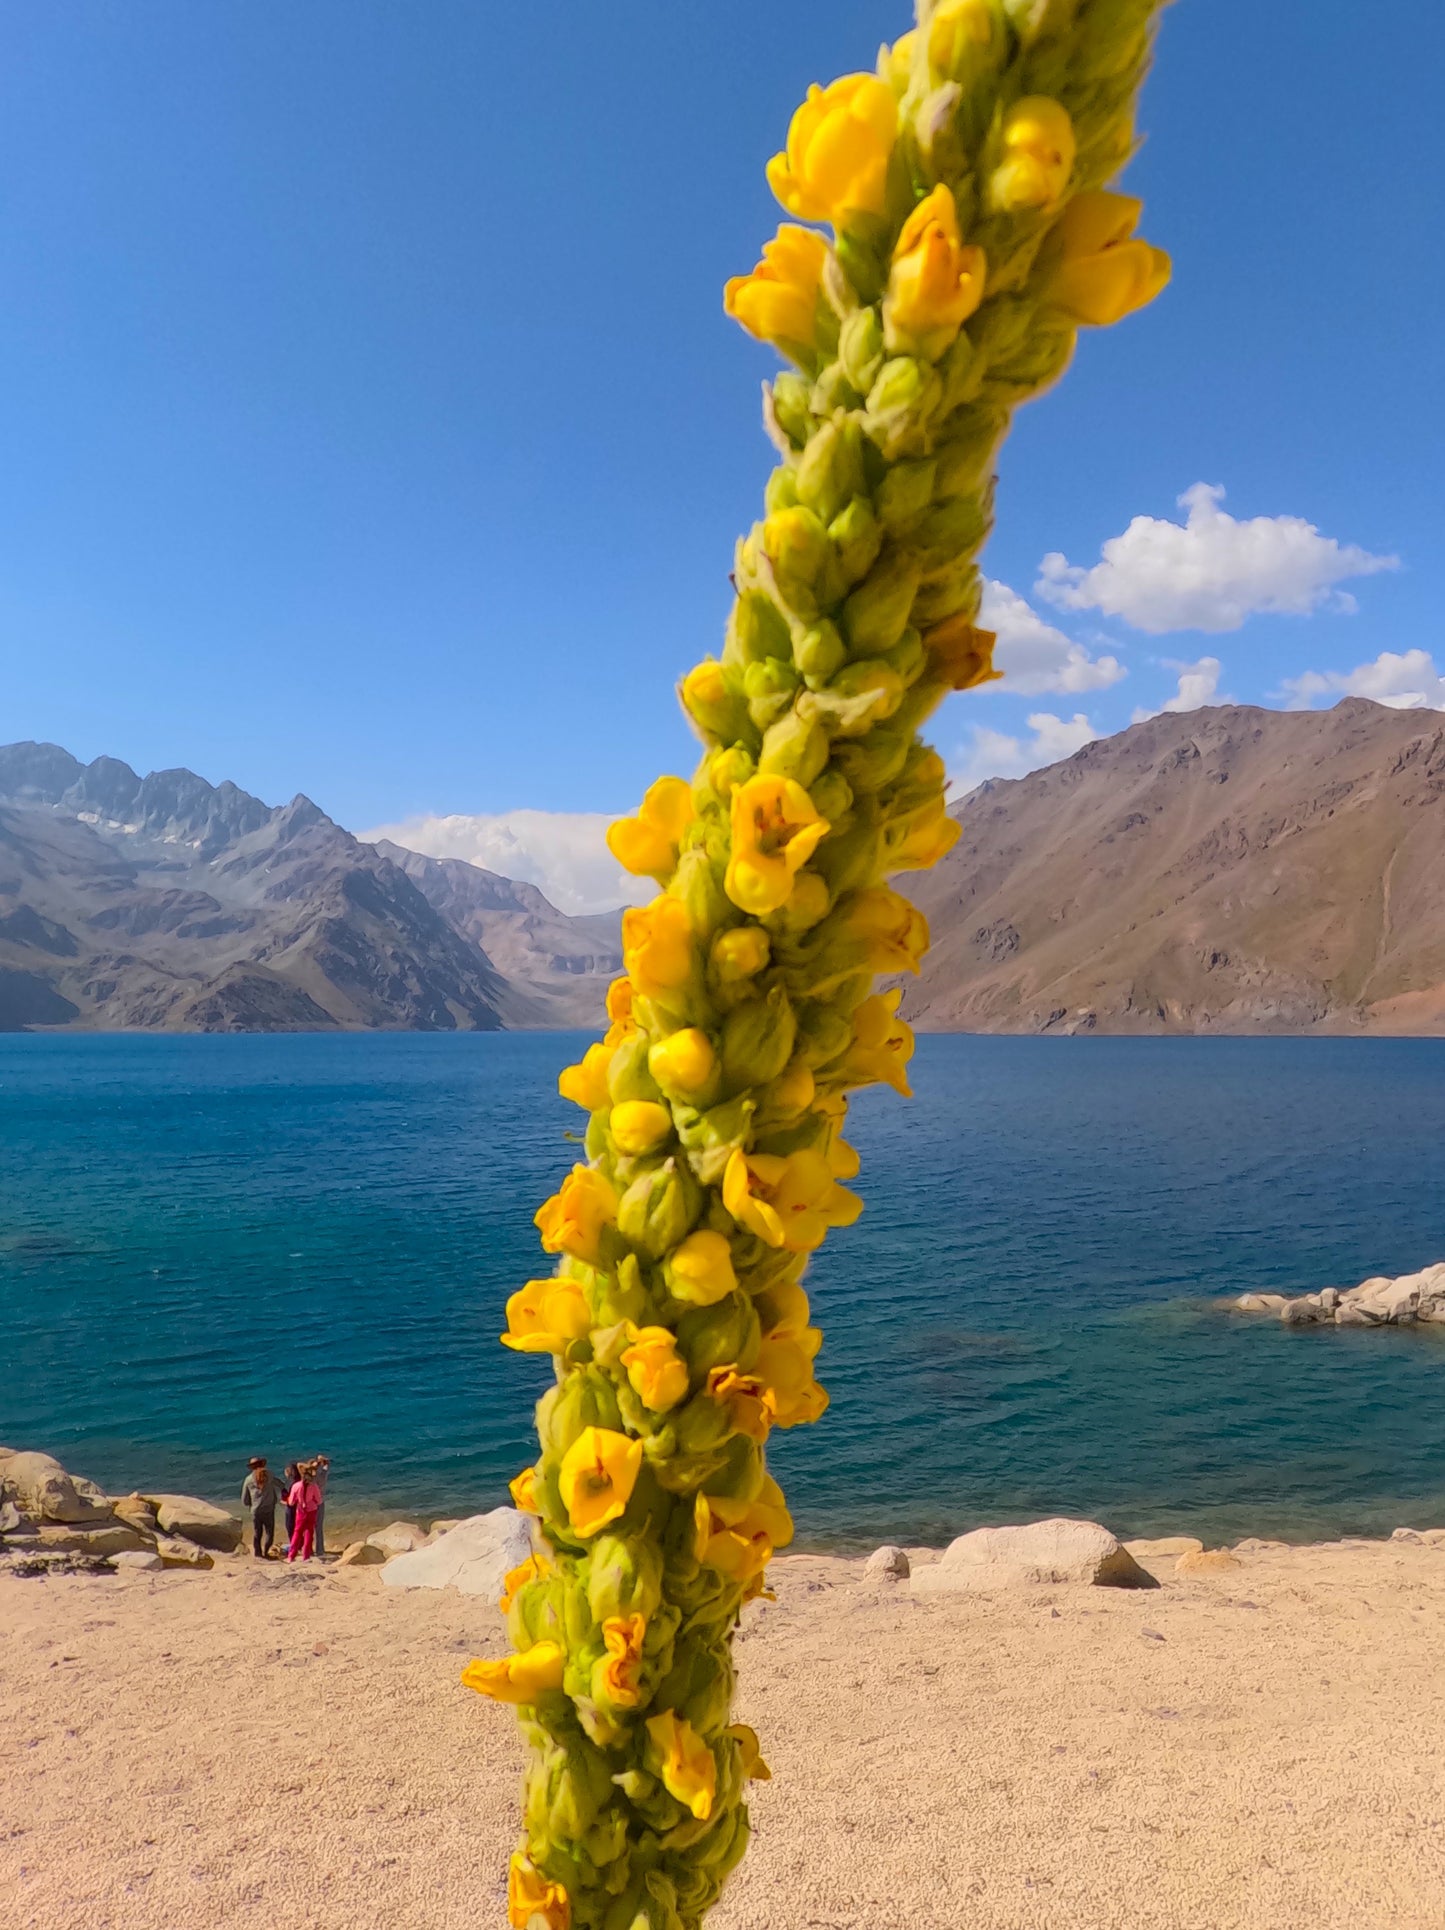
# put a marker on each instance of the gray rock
(1302, 1313)
(398, 1539)
(135, 1509)
(39, 1486)
(361, 1554)
(474, 1557)
(888, 1563)
(176, 1552)
(197, 1521)
(1040, 1553)
(136, 1560)
(1260, 1302)
(106, 1538)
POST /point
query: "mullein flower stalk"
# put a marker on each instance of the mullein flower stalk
(972, 229)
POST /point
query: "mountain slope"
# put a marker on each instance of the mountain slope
(167, 902)
(1229, 870)
(557, 967)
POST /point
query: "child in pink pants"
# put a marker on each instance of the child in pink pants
(305, 1498)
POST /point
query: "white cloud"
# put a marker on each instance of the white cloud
(563, 853)
(1198, 684)
(993, 753)
(1404, 682)
(1211, 572)
(1035, 657)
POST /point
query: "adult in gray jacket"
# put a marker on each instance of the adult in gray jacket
(260, 1493)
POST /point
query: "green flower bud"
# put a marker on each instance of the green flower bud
(857, 538)
(954, 528)
(862, 694)
(698, 884)
(833, 391)
(757, 1040)
(863, 263)
(870, 762)
(710, 1138)
(795, 746)
(719, 1336)
(624, 1576)
(967, 459)
(902, 403)
(659, 1209)
(833, 796)
(627, 1073)
(830, 472)
(711, 694)
(795, 542)
(860, 348)
(756, 629)
(811, 900)
(905, 493)
(770, 685)
(854, 858)
(781, 489)
(1031, 19)
(907, 659)
(586, 1398)
(954, 590)
(622, 1295)
(788, 399)
(876, 614)
(818, 653)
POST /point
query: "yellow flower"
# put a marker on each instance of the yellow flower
(598, 1474)
(750, 1753)
(775, 830)
(962, 653)
(517, 1678)
(523, 1490)
(778, 301)
(785, 1367)
(615, 1677)
(1101, 271)
(700, 1269)
(959, 33)
(684, 1064)
(531, 1895)
(619, 1011)
(922, 836)
(585, 1084)
(573, 1219)
(882, 1045)
(1038, 149)
(657, 946)
(738, 1537)
(657, 1371)
(531, 1570)
(894, 932)
(639, 1126)
(839, 142)
(740, 1396)
(935, 282)
(545, 1316)
(789, 1200)
(647, 844)
(688, 1770)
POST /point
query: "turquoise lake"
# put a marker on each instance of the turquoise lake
(214, 1247)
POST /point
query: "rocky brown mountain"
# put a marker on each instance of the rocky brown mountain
(169, 903)
(1228, 870)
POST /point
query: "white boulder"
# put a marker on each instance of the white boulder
(474, 1557)
(398, 1539)
(888, 1563)
(39, 1486)
(1039, 1553)
(197, 1521)
(132, 1559)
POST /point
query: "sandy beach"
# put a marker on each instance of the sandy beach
(1258, 1748)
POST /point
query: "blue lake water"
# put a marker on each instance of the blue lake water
(213, 1247)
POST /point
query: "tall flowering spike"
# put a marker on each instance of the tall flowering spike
(969, 185)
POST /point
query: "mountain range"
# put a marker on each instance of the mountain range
(1225, 870)
(167, 903)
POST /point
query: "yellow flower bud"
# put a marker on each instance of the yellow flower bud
(739, 954)
(1038, 156)
(599, 1472)
(712, 700)
(572, 1221)
(619, 1011)
(523, 1490)
(1094, 268)
(657, 1372)
(750, 1753)
(700, 1270)
(517, 1678)
(586, 1084)
(895, 63)
(640, 1126)
(647, 844)
(839, 143)
(546, 1316)
(684, 1762)
(684, 1065)
(775, 831)
(532, 1897)
(778, 301)
(962, 36)
(657, 946)
(935, 282)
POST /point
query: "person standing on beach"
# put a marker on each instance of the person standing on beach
(259, 1494)
(303, 1506)
(321, 1474)
(291, 1477)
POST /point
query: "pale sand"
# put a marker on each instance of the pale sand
(1262, 1748)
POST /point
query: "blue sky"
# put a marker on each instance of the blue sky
(373, 428)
